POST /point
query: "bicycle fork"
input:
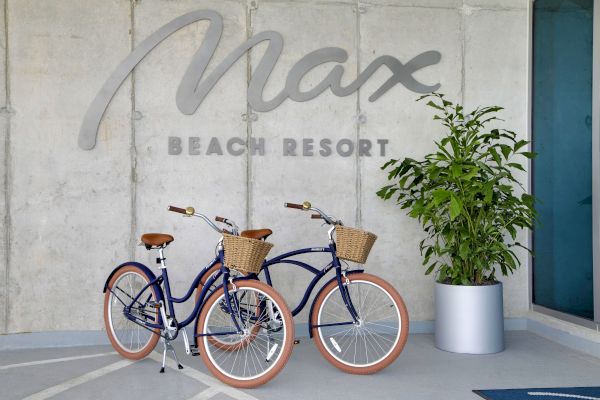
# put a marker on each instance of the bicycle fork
(343, 283)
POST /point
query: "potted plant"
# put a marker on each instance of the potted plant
(464, 194)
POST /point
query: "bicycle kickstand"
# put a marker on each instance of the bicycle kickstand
(168, 347)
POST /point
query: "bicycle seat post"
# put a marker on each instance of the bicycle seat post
(161, 258)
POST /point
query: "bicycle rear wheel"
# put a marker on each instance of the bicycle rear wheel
(130, 339)
(376, 340)
(257, 355)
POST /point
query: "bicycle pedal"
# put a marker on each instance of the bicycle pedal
(296, 341)
(194, 351)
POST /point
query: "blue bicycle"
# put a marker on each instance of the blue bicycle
(244, 331)
(357, 320)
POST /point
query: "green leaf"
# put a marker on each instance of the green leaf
(519, 145)
(382, 192)
(528, 200)
(455, 207)
(443, 275)
(427, 254)
(517, 166)
(430, 103)
(471, 174)
(506, 150)
(388, 163)
(430, 269)
(512, 231)
(529, 154)
(495, 155)
(456, 170)
(440, 195)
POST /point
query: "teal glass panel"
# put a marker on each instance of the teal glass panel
(562, 171)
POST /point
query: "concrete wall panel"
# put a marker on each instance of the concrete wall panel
(213, 184)
(4, 126)
(404, 33)
(326, 181)
(69, 208)
(496, 74)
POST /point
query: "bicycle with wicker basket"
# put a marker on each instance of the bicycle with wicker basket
(243, 329)
(357, 320)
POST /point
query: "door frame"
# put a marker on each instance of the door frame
(594, 324)
(596, 159)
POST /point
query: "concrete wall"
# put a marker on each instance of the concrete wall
(72, 215)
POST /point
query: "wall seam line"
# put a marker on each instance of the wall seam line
(462, 54)
(7, 173)
(358, 122)
(132, 145)
(248, 7)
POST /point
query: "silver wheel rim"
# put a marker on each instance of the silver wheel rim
(129, 336)
(370, 342)
(247, 360)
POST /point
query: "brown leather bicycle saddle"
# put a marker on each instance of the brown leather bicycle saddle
(257, 233)
(156, 239)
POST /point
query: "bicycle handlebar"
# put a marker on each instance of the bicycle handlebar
(306, 206)
(227, 222)
(190, 211)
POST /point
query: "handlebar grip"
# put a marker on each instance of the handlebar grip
(292, 205)
(316, 216)
(177, 209)
(225, 221)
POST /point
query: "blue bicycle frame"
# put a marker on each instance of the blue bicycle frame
(319, 274)
(207, 289)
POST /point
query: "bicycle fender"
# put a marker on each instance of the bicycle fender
(312, 306)
(147, 271)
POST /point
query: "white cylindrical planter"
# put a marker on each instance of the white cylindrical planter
(469, 319)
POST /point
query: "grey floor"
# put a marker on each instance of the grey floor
(421, 372)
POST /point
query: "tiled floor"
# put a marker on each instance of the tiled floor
(421, 372)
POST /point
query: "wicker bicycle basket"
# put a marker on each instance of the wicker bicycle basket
(353, 244)
(245, 254)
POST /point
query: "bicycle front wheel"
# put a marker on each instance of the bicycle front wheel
(257, 354)
(380, 334)
(132, 340)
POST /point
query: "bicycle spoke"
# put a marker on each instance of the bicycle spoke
(130, 336)
(243, 356)
(369, 340)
